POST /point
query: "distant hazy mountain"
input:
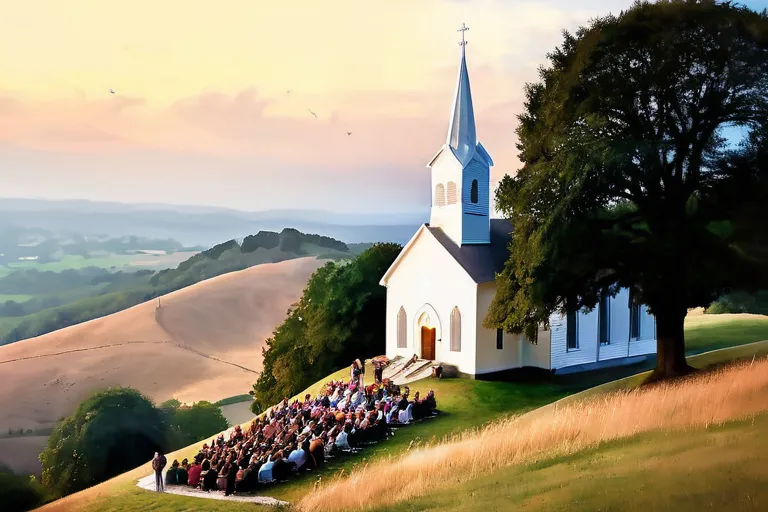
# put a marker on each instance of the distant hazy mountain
(204, 225)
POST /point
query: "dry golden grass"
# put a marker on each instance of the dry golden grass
(736, 392)
(204, 343)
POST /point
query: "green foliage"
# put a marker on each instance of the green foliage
(19, 493)
(110, 432)
(340, 317)
(170, 405)
(359, 247)
(740, 302)
(118, 429)
(627, 180)
(190, 424)
(263, 239)
(235, 400)
(321, 241)
(290, 240)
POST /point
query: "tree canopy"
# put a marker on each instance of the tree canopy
(340, 317)
(110, 432)
(193, 423)
(644, 150)
(118, 429)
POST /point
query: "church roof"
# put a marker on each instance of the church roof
(482, 262)
(462, 137)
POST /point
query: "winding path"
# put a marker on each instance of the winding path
(148, 484)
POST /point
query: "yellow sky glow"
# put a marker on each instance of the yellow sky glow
(194, 76)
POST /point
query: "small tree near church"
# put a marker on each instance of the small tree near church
(645, 166)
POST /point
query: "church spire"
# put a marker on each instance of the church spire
(462, 137)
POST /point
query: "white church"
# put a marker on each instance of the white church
(440, 286)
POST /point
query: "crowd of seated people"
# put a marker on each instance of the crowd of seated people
(301, 436)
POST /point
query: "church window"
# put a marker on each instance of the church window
(634, 318)
(402, 326)
(572, 328)
(473, 192)
(604, 316)
(499, 339)
(440, 195)
(455, 330)
(451, 192)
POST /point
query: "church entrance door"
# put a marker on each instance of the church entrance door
(428, 343)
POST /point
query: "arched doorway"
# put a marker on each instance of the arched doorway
(427, 327)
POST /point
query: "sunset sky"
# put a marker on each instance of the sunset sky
(202, 115)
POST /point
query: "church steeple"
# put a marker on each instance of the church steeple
(462, 137)
(461, 171)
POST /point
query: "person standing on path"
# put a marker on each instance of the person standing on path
(158, 463)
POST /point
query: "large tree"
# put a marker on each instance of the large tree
(340, 317)
(644, 149)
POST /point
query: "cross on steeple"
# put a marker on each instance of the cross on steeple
(463, 29)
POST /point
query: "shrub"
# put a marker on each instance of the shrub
(19, 493)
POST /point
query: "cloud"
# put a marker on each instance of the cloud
(207, 107)
(258, 141)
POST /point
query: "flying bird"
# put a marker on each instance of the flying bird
(288, 91)
(349, 133)
(111, 91)
(312, 113)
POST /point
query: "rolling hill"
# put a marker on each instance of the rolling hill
(202, 343)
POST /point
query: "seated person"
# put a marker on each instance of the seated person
(342, 439)
(248, 480)
(403, 403)
(282, 469)
(221, 478)
(170, 475)
(265, 471)
(298, 456)
(193, 475)
(221, 481)
(182, 473)
(316, 457)
(209, 480)
(405, 416)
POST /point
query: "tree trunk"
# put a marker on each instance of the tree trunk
(670, 345)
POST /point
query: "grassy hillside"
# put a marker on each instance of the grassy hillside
(721, 467)
(464, 404)
(710, 332)
(445, 472)
(202, 344)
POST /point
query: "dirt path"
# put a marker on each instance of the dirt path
(148, 484)
(125, 343)
(85, 349)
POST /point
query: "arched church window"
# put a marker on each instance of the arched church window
(402, 323)
(439, 194)
(451, 192)
(455, 330)
(473, 192)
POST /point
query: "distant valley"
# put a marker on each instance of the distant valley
(45, 294)
(198, 225)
